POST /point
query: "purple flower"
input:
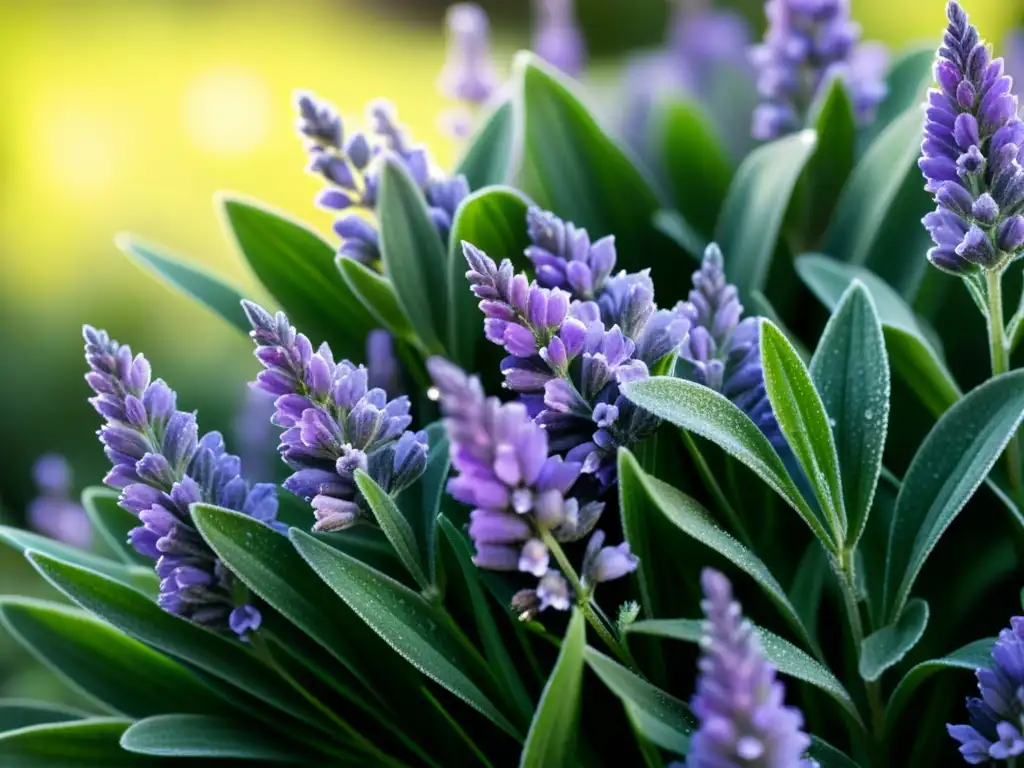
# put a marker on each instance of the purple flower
(971, 155)
(739, 701)
(162, 467)
(468, 76)
(997, 718)
(53, 512)
(334, 423)
(563, 256)
(381, 362)
(808, 43)
(254, 434)
(723, 351)
(557, 38)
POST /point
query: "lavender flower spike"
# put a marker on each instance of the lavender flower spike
(468, 75)
(806, 45)
(997, 718)
(53, 512)
(557, 37)
(162, 468)
(739, 701)
(971, 156)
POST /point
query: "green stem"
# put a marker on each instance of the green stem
(999, 349)
(583, 600)
(708, 477)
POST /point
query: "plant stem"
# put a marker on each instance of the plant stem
(583, 601)
(999, 350)
(715, 489)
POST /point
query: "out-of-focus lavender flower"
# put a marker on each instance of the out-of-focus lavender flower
(469, 76)
(557, 37)
(1013, 55)
(334, 424)
(808, 43)
(382, 364)
(351, 165)
(997, 718)
(971, 155)
(723, 351)
(162, 467)
(53, 512)
(739, 701)
(255, 435)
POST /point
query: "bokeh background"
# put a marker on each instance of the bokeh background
(127, 115)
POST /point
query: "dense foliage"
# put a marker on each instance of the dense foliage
(542, 414)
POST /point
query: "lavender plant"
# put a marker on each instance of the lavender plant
(556, 418)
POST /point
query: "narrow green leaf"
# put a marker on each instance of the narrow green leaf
(760, 305)
(887, 646)
(139, 578)
(139, 617)
(109, 667)
(952, 462)
(973, 656)
(378, 296)
(804, 422)
(21, 713)
(210, 290)
(421, 502)
(830, 165)
(297, 267)
(555, 727)
(704, 412)
(112, 523)
(84, 742)
(788, 658)
(911, 353)
(827, 756)
(909, 77)
(672, 224)
(494, 220)
(808, 585)
(692, 150)
(687, 515)
(851, 373)
(488, 156)
(394, 525)
(659, 716)
(414, 258)
(748, 227)
(410, 625)
(180, 735)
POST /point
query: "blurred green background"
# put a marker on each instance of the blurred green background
(129, 115)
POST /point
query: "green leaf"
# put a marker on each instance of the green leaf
(85, 742)
(489, 155)
(952, 462)
(851, 372)
(99, 661)
(659, 716)
(760, 305)
(407, 622)
(704, 412)
(804, 422)
(698, 168)
(886, 647)
(830, 165)
(808, 584)
(973, 656)
(141, 618)
(394, 525)
(378, 296)
(687, 515)
(555, 727)
(180, 735)
(909, 77)
(788, 658)
(827, 756)
(210, 290)
(139, 578)
(414, 258)
(297, 267)
(911, 354)
(421, 502)
(494, 220)
(672, 224)
(874, 196)
(21, 713)
(748, 227)
(112, 523)
(570, 166)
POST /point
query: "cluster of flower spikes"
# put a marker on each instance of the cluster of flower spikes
(573, 336)
(334, 424)
(722, 351)
(519, 492)
(996, 731)
(469, 77)
(806, 45)
(351, 165)
(739, 702)
(162, 467)
(971, 155)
